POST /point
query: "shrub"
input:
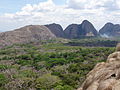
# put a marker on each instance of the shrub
(55, 61)
(3, 67)
(25, 57)
(20, 84)
(70, 79)
(24, 62)
(26, 73)
(58, 70)
(47, 81)
(65, 87)
(3, 80)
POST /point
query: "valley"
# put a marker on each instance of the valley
(46, 57)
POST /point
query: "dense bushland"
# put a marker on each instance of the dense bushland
(94, 42)
(48, 66)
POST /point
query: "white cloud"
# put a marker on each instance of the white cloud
(92, 4)
(74, 11)
(118, 3)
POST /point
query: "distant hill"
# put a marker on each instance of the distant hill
(110, 30)
(25, 34)
(85, 29)
(33, 33)
(56, 29)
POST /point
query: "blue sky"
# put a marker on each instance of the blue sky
(11, 6)
(18, 13)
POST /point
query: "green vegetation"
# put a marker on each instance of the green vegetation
(47, 81)
(3, 80)
(94, 42)
(48, 66)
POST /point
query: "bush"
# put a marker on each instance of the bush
(65, 87)
(70, 79)
(25, 57)
(26, 73)
(20, 84)
(3, 80)
(3, 67)
(58, 70)
(24, 62)
(55, 61)
(47, 81)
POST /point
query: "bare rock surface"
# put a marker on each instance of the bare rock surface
(25, 34)
(110, 30)
(105, 75)
(57, 30)
(85, 29)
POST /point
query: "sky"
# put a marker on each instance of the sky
(18, 13)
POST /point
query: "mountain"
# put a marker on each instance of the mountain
(105, 75)
(25, 34)
(73, 31)
(85, 29)
(88, 28)
(110, 30)
(56, 29)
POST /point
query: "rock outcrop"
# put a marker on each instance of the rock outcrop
(56, 29)
(110, 30)
(105, 75)
(73, 31)
(88, 29)
(85, 29)
(26, 34)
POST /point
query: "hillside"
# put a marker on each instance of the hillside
(27, 34)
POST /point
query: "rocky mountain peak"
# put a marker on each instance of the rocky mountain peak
(108, 24)
(105, 75)
(85, 29)
(86, 22)
(111, 30)
(56, 29)
(72, 31)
